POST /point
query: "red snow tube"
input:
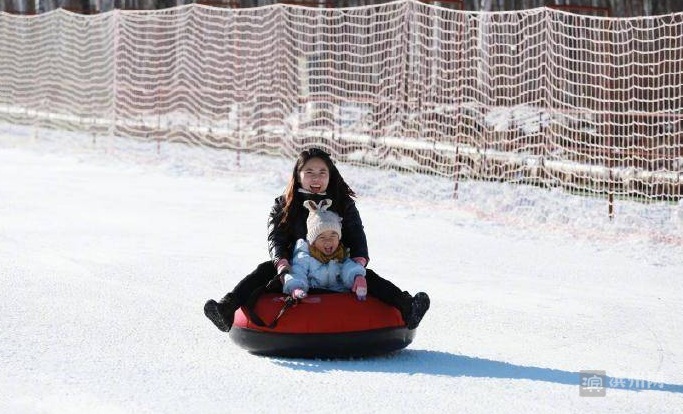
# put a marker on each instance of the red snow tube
(325, 325)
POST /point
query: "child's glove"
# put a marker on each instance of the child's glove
(299, 294)
(360, 287)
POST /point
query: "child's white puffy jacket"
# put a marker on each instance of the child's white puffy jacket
(308, 272)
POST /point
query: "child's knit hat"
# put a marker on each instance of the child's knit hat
(321, 219)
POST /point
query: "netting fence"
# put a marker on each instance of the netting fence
(541, 97)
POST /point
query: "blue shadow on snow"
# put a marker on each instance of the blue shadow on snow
(447, 364)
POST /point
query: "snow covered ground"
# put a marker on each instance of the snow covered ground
(108, 253)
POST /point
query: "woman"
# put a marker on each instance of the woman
(314, 177)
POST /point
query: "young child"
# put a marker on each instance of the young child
(321, 261)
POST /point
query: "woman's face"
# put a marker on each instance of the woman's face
(314, 176)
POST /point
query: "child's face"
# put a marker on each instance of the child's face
(327, 242)
(314, 176)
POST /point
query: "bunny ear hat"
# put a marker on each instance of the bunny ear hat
(321, 219)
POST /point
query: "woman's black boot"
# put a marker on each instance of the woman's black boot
(222, 313)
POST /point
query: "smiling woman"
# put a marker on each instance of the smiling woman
(315, 176)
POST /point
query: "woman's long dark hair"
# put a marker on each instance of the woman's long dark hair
(337, 190)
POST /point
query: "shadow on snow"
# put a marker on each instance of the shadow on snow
(447, 364)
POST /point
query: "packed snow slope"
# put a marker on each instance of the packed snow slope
(108, 253)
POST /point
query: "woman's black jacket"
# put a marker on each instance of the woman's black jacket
(281, 238)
